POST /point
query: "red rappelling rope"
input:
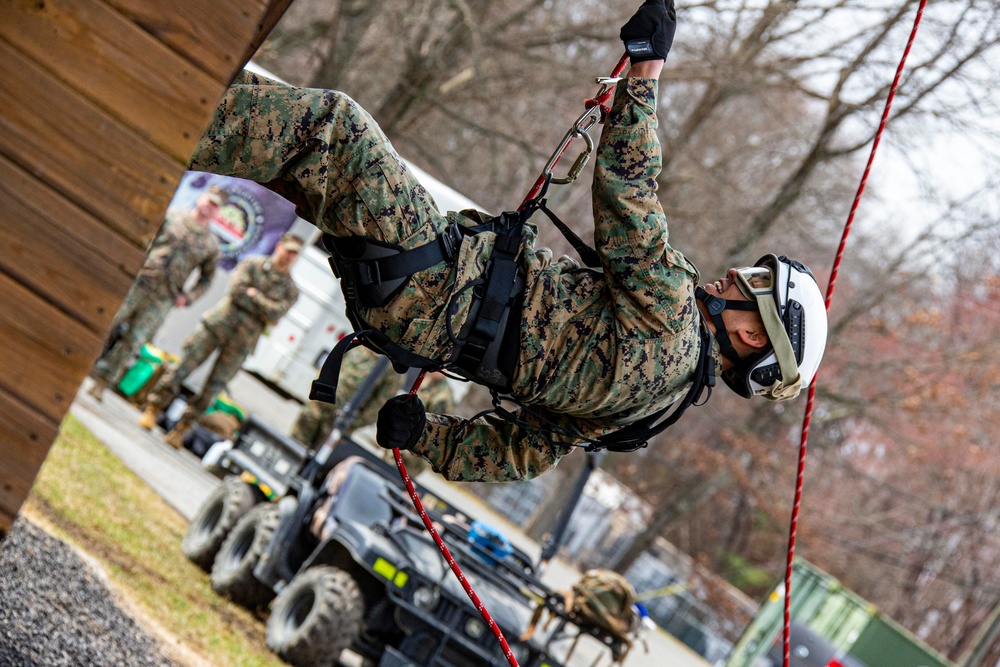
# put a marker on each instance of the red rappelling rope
(599, 100)
(429, 525)
(829, 296)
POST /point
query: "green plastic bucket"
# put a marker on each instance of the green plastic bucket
(138, 375)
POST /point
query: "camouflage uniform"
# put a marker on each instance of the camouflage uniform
(233, 327)
(598, 349)
(181, 247)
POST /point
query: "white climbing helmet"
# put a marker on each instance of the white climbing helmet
(794, 315)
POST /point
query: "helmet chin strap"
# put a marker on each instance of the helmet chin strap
(715, 305)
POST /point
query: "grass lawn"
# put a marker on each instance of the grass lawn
(85, 496)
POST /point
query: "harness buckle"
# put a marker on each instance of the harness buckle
(450, 239)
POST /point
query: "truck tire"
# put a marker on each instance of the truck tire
(229, 502)
(232, 573)
(315, 617)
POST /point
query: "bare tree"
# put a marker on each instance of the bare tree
(766, 110)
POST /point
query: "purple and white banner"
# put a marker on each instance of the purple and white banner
(250, 224)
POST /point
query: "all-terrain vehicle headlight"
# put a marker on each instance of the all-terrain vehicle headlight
(475, 628)
(426, 597)
(521, 653)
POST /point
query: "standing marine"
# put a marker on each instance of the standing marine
(261, 291)
(184, 245)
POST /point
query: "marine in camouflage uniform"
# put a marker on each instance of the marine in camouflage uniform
(599, 349)
(261, 291)
(184, 245)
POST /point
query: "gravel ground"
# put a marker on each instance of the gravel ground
(56, 610)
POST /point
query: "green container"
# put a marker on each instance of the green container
(837, 614)
(226, 405)
(138, 375)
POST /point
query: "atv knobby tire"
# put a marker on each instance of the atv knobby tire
(315, 617)
(232, 573)
(229, 502)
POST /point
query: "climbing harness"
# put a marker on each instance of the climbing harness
(372, 273)
(800, 475)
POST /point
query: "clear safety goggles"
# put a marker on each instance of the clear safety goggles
(754, 281)
(757, 284)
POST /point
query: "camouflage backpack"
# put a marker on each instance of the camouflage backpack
(603, 599)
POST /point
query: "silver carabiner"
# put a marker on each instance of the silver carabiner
(581, 159)
(581, 128)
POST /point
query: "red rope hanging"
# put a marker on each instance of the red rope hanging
(443, 548)
(793, 528)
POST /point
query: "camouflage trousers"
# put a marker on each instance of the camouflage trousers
(145, 307)
(322, 151)
(197, 348)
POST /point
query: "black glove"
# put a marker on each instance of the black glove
(400, 422)
(650, 32)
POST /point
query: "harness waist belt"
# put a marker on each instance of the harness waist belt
(372, 273)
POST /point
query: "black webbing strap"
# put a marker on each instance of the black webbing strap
(589, 256)
(637, 435)
(324, 387)
(715, 305)
(497, 296)
(360, 273)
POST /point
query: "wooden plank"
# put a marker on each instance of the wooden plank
(25, 438)
(73, 146)
(123, 69)
(275, 10)
(61, 252)
(213, 35)
(45, 353)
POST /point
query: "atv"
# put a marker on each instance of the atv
(330, 541)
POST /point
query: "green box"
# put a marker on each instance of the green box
(138, 375)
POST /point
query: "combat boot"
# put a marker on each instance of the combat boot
(96, 390)
(175, 438)
(147, 419)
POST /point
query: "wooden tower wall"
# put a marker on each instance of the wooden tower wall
(101, 104)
